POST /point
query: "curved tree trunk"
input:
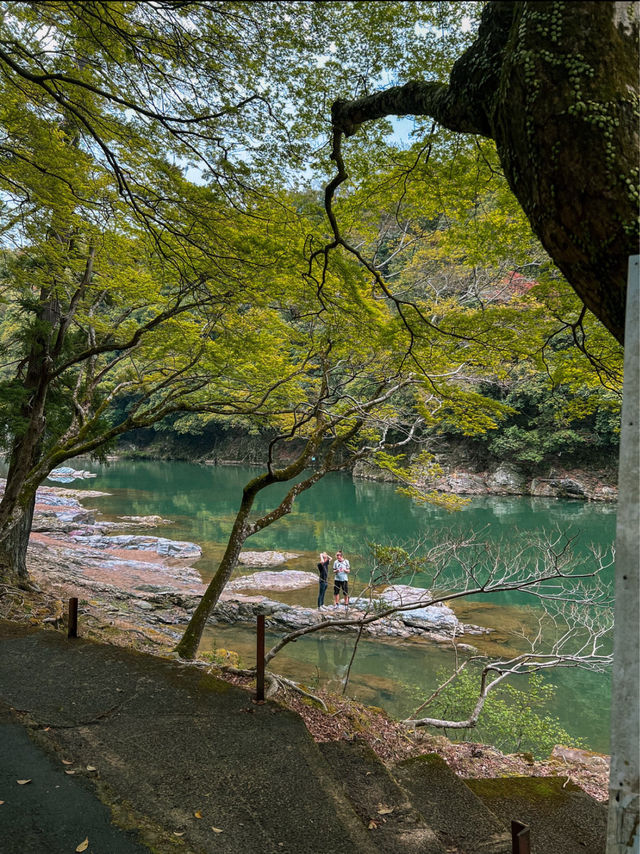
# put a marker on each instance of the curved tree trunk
(556, 86)
(190, 641)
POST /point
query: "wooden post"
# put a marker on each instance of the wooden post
(520, 838)
(72, 630)
(260, 659)
(623, 832)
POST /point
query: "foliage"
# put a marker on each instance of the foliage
(536, 375)
(157, 262)
(551, 422)
(415, 478)
(222, 657)
(512, 718)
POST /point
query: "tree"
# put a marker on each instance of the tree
(512, 719)
(355, 401)
(124, 279)
(555, 85)
(443, 232)
(103, 335)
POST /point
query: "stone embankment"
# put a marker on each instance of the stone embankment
(150, 581)
(461, 477)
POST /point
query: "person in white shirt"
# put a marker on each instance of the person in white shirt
(341, 569)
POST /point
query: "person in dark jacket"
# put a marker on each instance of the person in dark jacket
(323, 576)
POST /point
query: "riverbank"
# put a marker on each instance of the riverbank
(114, 614)
(344, 719)
(150, 580)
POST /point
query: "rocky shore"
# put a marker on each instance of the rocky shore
(465, 471)
(460, 476)
(150, 582)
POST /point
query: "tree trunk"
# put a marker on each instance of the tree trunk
(24, 475)
(14, 540)
(556, 86)
(566, 129)
(18, 500)
(190, 641)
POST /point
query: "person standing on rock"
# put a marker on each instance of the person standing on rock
(341, 569)
(323, 577)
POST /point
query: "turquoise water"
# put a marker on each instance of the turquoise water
(341, 513)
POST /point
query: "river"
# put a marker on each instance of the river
(342, 513)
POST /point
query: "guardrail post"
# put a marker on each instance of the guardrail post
(520, 838)
(72, 630)
(260, 659)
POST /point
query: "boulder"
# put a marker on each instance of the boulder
(404, 594)
(285, 579)
(507, 480)
(50, 499)
(462, 483)
(438, 626)
(437, 617)
(49, 520)
(558, 487)
(65, 474)
(265, 558)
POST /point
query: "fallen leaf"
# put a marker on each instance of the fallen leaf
(67, 771)
(67, 762)
(83, 845)
(216, 829)
(46, 729)
(198, 814)
(372, 825)
(384, 810)
(178, 832)
(91, 768)
(22, 782)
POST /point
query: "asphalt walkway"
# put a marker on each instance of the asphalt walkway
(185, 761)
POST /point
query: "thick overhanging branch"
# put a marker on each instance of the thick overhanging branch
(538, 80)
(464, 105)
(416, 98)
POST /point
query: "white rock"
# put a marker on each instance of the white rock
(265, 558)
(286, 579)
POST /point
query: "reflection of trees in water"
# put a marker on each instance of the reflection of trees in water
(386, 674)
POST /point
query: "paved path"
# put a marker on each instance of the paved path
(55, 811)
(180, 756)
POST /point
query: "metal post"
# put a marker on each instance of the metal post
(72, 631)
(623, 830)
(520, 838)
(260, 660)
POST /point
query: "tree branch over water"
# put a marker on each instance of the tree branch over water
(572, 630)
